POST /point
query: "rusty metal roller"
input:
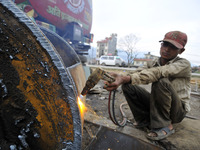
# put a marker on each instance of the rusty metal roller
(36, 111)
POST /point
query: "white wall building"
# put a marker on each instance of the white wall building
(107, 46)
(143, 61)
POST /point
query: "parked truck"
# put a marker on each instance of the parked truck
(70, 19)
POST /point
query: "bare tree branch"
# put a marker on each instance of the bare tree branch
(128, 44)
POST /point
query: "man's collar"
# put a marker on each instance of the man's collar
(157, 62)
(173, 60)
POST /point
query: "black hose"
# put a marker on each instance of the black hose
(112, 116)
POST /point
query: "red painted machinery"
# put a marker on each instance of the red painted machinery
(70, 19)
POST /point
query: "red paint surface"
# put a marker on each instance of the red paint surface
(58, 13)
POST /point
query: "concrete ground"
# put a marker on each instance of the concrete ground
(186, 137)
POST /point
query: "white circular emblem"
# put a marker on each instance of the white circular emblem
(76, 6)
(75, 3)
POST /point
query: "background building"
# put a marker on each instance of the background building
(107, 46)
(143, 61)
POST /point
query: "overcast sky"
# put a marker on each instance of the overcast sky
(149, 20)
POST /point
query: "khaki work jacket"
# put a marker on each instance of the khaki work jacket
(178, 71)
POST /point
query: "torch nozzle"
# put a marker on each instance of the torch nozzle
(94, 78)
(81, 96)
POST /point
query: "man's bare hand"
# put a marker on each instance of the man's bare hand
(119, 79)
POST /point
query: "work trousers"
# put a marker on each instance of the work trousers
(160, 108)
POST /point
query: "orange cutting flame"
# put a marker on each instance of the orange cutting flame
(82, 107)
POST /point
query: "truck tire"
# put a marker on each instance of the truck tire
(117, 65)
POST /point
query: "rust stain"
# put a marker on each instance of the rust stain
(39, 82)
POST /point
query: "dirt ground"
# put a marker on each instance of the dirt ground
(97, 104)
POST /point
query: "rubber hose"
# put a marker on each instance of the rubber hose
(112, 116)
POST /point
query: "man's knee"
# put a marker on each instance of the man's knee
(128, 87)
(163, 82)
(124, 87)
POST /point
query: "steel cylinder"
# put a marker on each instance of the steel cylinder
(38, 107)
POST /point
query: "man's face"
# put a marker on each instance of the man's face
(169, 51)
